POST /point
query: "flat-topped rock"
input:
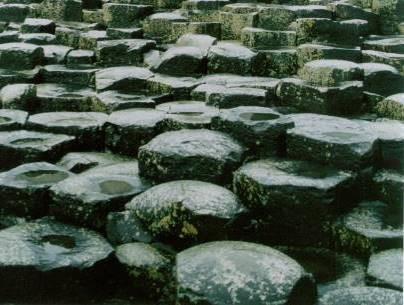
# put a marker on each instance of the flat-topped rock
(361, 295)
(261, 129)
(78, 162)
(127, 130)
(343, 99)
(332, 140)
(331, 270)
(190, 154)
(389, 187)
(63, 97)
(125, 227)
(123, 51)
(20, 146)
(187, 209)
(87, 199)
(122, 78)
(20, 56)
(370, 227)
(24, 189)
(275, 187)
(231, 272)
(12, 119)
(186, 115)
(330, 72)
(149, 269)
(18, 96)
(231, 58)
(385, 269)
(53, 259)
(87, 127)
(38, 25)
(181, 61)
(112, 100)
(392, 107)
(390, 45)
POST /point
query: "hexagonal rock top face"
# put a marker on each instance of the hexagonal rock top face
(331, 140)
(186, 209)
(385, 269)
(23, 190)
(362, 295)
(241, 273)
(21, 146)
(327, 72)
(86, 199)
(190, 154)
(65, 257)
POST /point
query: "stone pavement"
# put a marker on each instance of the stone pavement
(201, 152)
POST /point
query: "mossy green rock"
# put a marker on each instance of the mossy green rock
(187, 209)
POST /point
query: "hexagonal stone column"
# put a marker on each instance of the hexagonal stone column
(370, 227)
(262, 129)
(186, 115)
(127, 130)
(232, 58)
(187, 209)
(20, 56)
(392, 107)
(298, 197)
(87, 199)
(327, 72)
(385, 269)
(22, 146)
(148, 269)
(361, 295)
(331, 140)
(87, 127)
(12, 119)
(53, 260)
(24, 189)
(240, 273)
(190, 154)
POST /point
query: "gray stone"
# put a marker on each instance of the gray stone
(61, 97)
(261, 129)
(24, 189)
(18, 96)
(187, 209)
(53, 260)
(274, 187)
(80, 57)
(20, 146)
(331, 140)
(186, 115)
(385, 269)
(13, 12)
(231, 272)
(181, 61)
(392, 107)
(343, 99)
(125, 15)
(327, 72)
(20, 56)
(56, 54)
(87, 199)
(124, 227)
(370, 227)
(127, 130)
(86, 127)
(382, 79)
(78, 162)
(261, 39)
(389, 187)
(202, 42)
(123, 51)
(331, 270)
(67, 10)
(148, 269)
(190, 154)
(77, 76)
(12, 119)
(126, 78)
(361, 295)
(234, 97)
(231, 58)
(392, 59)
(33, 25)
(110, 101)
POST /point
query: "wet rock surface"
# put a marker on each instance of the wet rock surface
(167, 125)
